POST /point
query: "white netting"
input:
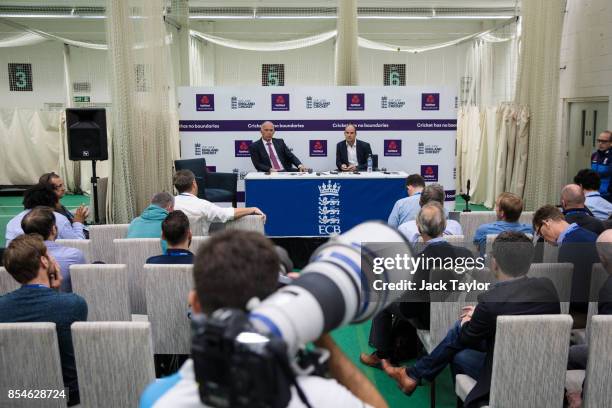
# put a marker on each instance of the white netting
(538, 88)
(145, 122)
(347, 50)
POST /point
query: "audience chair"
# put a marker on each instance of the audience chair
(84, 245)
(196, 225)
(114, 361)
(470, 221)
(7, 283)
(167, 288)
(105, 289)
(550, 253)
(529, 362)
(134, 252)
(196, 243)
(561, 276)
(598, 392)
(247, 223)
(102, 236)
(599, 276)
(30, 361)
(212, 186)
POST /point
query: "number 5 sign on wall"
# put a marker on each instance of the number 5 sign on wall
(20, 77)
(273, 74)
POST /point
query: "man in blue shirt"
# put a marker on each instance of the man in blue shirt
(29, 263)
(590, 183)
(406, 209)
(601, 163)
(176, 232)
(576, 246)
(42, 195)
(42, 222)
(508, 208)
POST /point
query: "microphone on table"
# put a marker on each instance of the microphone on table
(467, 197)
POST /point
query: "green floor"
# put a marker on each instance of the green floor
(352, 339)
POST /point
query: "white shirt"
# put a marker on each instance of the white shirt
(351, 152)
(411, 232)
(195, 207)
(275, 154)
(181, 391)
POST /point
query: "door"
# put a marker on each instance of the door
(586, 121)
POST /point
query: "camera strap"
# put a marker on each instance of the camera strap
(283, 362)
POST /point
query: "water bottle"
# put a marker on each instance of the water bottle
(369, 163)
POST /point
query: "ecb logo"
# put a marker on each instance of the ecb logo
(280, 102)
(393, 147)
(329, 208)
(430, 101)
(241, 148)
(429, 172)
(205, 102)
(355, 101)
(318, 148)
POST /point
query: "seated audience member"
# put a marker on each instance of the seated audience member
(27, 260)
(574, 210)
(188, 202)
(230, 269)
(431, 223)
(41, 221)
(508, 208)
(589, 181)
(578, 353)
(57, 184)
(407, 208)
(469, 343)
(41, 195)
(148, 224)
(433, 192)
(176, 232)
(576, 246)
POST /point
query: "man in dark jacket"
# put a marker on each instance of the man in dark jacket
(352, 154)
(270, 155)
(513, 294)
(574, 210)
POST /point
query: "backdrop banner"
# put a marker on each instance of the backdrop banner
(411, 129)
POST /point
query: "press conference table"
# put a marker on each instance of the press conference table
(320, 204)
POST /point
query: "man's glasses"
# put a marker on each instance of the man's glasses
(602, 141)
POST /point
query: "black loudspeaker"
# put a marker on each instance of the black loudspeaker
(86, 134)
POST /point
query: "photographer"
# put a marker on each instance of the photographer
(229, 270)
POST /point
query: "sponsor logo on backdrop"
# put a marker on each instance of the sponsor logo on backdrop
(329, 208)
(317, 103)
(391, 103)
(241, 148)
(430, 101)
(280, 102)
(393, 147)
(355, 101)
(429, 172)
(449, 195)
(205, 102)
(242, 103)
(200, 150)
(212, 169)
(428, 149)
(318, 148)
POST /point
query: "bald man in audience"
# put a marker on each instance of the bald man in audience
(574, 210)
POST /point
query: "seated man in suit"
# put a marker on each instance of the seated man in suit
(469, 343)
(176, 232)
(576, 246)
(508, 209)
(352, 154)
(432, 192)
(27, 260)
(574, 210)
(270, 155)
(41, 221)
(431, 223)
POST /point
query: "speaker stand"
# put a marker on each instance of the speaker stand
(94, 185)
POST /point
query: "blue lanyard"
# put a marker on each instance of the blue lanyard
(35, 285)
(183, 253)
